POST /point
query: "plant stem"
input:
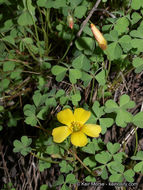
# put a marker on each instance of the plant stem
(75, 155)
(136, 147)
(91, 94)
(44, 159)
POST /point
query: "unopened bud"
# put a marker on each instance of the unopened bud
(70, 21)
(99, 37)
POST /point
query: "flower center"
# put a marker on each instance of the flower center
(76, 126)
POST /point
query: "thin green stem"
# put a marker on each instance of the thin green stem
(75, 155)
(36, 32)
(92, 89)
(109, 66)
(136, 135)
(44, 159)
(74, 88)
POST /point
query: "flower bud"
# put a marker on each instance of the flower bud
(99, 37)
(70, 21)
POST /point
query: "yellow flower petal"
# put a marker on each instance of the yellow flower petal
(61, 133)
(78, 139)
(81, 115)
(99, 37)
(65, 116)
(91, 130)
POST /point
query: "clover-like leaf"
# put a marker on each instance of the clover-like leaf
(90, 179)
(29, 112)
(136, 4)
(138, 119)
(43, 165)
(99, 112)
(139, 156)
(91, 147)
(101, 77)
(59, 72)
(139, 167)
(138, 64)
(65, 167)
(124, 22)
(116, 178)
(103, 157)
(129, 174)
(74, 74)
(90, 161)
(113, 148)
(23, 145)
(123, 116)
(70, 178)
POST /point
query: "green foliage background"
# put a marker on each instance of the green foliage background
(45, 67)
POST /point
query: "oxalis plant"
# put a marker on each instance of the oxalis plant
(56, 75)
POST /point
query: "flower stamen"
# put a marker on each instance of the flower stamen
(76, 126)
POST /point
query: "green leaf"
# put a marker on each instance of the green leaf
(90, 161)
(122, 22)
(116, 178)
(113, 148)
(4, 84)
(78, 62)
(104, 173)
(25, 19)
(91, 147)
(58, 3)
(43, 165)
(65, 167)
(138, 64)
(80, 11)
(74, 74)
(136, 4)
(112, 36)
(139, 156)
(117, 167)
(129, 174)
(105, 123)
(103, 157)
(59, 72)
(9, 39)
(44, 187)
(137, 43)
(8, 66)
(37, 99)
(86, 44)
(125, 42)
(59, 181)
(70, 178)
(110, 106)
(97, 109)
(60, 93)
(114, 51)
(100, 77)
(75, 98)
(23, 145)
(90, 179)
(119, 156)
(52, 149)
(123, 117)
(126, 103)
(41, 3)
(139, 167)
(138, 119)
(86, 78)
(135, 17)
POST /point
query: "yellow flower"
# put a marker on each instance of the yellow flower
(99, 37)
(74, 125)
